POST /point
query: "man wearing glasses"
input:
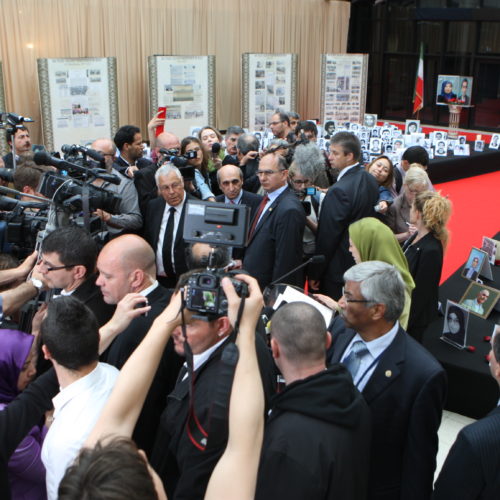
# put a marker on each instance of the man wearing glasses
(67, 263)
(275, 236)
(402, 383)
(280, 126)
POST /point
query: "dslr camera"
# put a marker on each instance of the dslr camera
(180, 161)
(205, 294)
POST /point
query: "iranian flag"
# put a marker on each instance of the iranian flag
(418, 99)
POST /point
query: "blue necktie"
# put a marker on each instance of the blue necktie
(353, 360)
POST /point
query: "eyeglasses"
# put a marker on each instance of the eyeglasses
(274, 123)
(299, 182)
(361, 301)
(49, 267)
(267, 172)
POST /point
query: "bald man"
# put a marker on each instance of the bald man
(128, 218)
(230, 179)
(127, 265)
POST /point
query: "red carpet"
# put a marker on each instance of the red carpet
(476, 213)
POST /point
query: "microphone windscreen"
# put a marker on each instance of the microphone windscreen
(42, 158)
(215, 148)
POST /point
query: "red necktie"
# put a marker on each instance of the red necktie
(263, 203)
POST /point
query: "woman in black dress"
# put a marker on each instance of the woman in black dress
(424, 251)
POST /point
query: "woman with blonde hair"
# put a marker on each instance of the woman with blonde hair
(424, 251)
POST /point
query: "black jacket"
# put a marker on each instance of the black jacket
(317, 441)
(90, 294)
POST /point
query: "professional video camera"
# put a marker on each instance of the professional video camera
(70, 192)
(82, 156)
(219, 225)
(180, 161)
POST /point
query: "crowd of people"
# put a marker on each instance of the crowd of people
(117, 389)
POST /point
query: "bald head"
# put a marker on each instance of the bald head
(107, 148)
(168, 141)
(126, 264)
(230, 180)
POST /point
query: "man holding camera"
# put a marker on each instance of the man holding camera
(184, 454)
(164, 225)
(128, 140)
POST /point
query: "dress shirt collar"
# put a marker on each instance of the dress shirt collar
(378, 346)
(74, 389)
(236, 201)
(345, 170)
(149, 289)
(200, 359)
(272, 196)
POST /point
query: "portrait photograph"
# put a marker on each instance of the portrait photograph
(370, 120)
(375, 145)
(412, 126)
(456, 319)
(495, 141)
(479, 299)
(464, 90)
(461, 150)
(479, 146)
(491, 247)
(474, 263)
(441, 148)
(447, 88)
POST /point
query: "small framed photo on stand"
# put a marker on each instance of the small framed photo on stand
(412, 126)
(456, 319)
(480, 299)
(492, 248)
(474, 264)
(495, 141)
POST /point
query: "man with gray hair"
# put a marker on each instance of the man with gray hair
(402, 383)
(317, 437)
(164, 225)
(231, 141)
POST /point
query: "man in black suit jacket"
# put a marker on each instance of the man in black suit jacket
(68, 263)
(275, 237)
(172, 202)
(128, 140)
(402, 383)
(127, 265)
(471, 469)
(351, 198)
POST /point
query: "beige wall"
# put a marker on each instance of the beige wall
(132, 30)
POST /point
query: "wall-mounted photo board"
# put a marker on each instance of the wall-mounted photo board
(78, 99)
(185, 86)
(343, 87)
(269, 82)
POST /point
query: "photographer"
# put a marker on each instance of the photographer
(129, 217)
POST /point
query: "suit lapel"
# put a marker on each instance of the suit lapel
(158, 216)
(388, 368)
(268, 213)
(341, 337)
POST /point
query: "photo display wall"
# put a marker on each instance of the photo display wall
(343, 87)
(185, 86)
(269, 82)
(3, 138)
(78, 98)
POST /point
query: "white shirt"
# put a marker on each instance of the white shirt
(76, 410)
(375, 349)
(345, 170)
(236, 201)
(161, 235)
(272, 196)
(149, 289)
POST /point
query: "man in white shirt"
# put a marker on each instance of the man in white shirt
(70, 340)
(402, 383)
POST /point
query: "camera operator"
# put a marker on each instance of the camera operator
(22, 143)
(27, 178)
(164, 225)
(129, 217)
(181, 464)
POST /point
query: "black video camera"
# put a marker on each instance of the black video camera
(205, 294)
(180, 161)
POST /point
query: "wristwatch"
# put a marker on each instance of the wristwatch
(38, 284)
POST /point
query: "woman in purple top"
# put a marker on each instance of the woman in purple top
(17, 370)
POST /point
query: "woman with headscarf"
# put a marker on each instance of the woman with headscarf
(370, 239)
(447, 94)
(17, 369)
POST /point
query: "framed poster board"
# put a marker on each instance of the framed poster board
(269, 82)
(343, 87)
(185, 85)
(4, 148)
(78, 99)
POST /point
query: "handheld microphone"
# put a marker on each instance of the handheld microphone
(215, 148)
(315, 259)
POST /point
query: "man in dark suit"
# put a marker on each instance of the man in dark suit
(471, 467)
(402, 383)
(164, 225)
(128, 140)
(351, 198)
(275, 237)
(127, 265)
(68, 263)
(472, 272)
(230, 179)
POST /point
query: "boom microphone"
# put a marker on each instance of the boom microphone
(315, 259)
